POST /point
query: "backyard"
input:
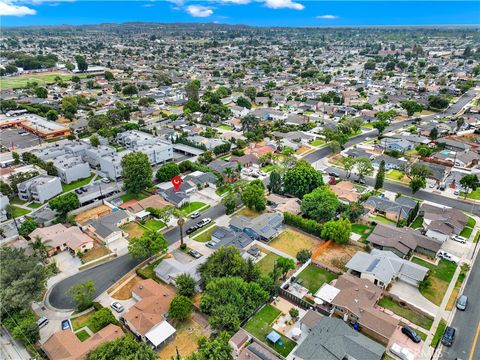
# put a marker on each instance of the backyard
(189, 208)
(291, 241)
(362, 230)
(337, 255)
(382, 219)
(185, 341)
(260, 325)
(128, 197)
(313, 277)
(76, 184)
(265, 265)
(82, 335)
(440, 277)
(407, 313)
(417, 223)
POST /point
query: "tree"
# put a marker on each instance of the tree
(180, 308)
(284, 265)
(81, 294)
(293, 313)
(348, 164)
(164, 214)
(243, 102)
(136, 172)
(230, 202)
(69, 106)
(304, 255)
(51, 115)
(364, 167)
(41, 92)
(167, 172)
(379, 179)
(217, 348)
(380, 126)
(301, 179)
(437, 102)
(417, 183)
(27, 227)
(149, 244)
(251, 93)
(109, 75)
(469, 182)
(192, 89)
(94, 141)
(130, 90)
(185, 285)
(411, 106)
(253, 196)
(337, 230)
(5, 189)
(419, 170)
(22, 280)
(39, 248)
(433, 133)
(226, 262)
(249, 123)
(275, 184)
(321, 204)
(81, 63)
(65, 203)
(126, 347)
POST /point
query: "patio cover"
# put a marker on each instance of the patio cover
(160, 333)
(326, 293)
(273, 337)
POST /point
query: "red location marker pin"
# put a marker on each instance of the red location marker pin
(177, 181)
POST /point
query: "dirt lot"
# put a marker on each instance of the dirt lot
(291, 241)
(337, 255)
(133, 230)
(92, 214)
(96, 252)
(125, 292)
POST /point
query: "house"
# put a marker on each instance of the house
(256, 351)
(467, 159)
(139, 208)
(59, 238)
(221, 165)
(333, 339)
(264, 227)
(282, 203)
(393, 210)
(439, 172)
(40, 188)
(442, 222)
(454, 144)
(402, 241)
(345, 191)
(239, 111)
(71, 168)
(401, 145)
(179, 197)
(357, 153)
(261, 150)
(223, 236)
(390, 162)
(384, 267)
(246, 160)
(107, 228)
(170, 268)
(65, 345)
(354, 301)
(146, 317)
(202, 179)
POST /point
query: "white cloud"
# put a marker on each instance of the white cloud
(177, 2)
(236, 2)
(283, 4)
(199, 10)
(148, 5)
(327, 17)
(9, 9)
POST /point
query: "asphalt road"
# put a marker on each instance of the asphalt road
(467, 323)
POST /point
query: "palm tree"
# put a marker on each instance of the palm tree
(39, 248)
(11, 214)
(181, 221)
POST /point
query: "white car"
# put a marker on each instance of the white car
(459, 239)
(117, 306)
(105, 180)
(447, 256)
(402, 352)
(206, 221)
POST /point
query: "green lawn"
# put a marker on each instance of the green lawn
(417, 223)
(154, 224)
(82, 335)
(192, 235)
(222, 190)
(128, 197)
(466, 232)
(225, 127)
(82, 320)
(472, 195)
(265, 265)
(76, 184)
(382, 219)
(313, 278)
(149, 271)
(206, 236)
(15, 82)
(317, 142)
(17, 201)
(471, 222)
(260, 325)
(18, 211)
(271, 167)
(394, 175)
(34, 205)
(477, 236)
(438, 333)
(411, 315)
(362, 230)
(189, 208)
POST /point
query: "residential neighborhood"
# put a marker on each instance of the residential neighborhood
(216, 191)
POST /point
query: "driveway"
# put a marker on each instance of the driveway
(399, 338)
(410, 294)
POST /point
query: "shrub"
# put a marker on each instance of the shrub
(304, 255)
(307, 225)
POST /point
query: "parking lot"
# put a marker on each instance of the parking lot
(17, 138)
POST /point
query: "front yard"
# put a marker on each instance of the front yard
(467, 231)
(397, 175)
(475, 195)
(439, 276)
(249, 213)
(291, 241)
(313, 277)
(18, 211)
(154, 224)
(260, 325)
(317, 142)
(205, 236)
(125, 292)
(405, 312)
(133, 229)
(94, 253)
(189, 208)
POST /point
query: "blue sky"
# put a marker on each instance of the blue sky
(251, 12)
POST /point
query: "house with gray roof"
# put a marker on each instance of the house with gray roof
(333, 339)
(264, 227)
(390, 162)
(441, 222)
(393, 210)
(201, 179)
(384, 267)
(178, 197)
(107, 228)
(223, 237)
(397, 144)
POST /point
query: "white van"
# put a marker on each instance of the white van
(42, 322)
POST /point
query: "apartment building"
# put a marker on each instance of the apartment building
(39, 189)
(71, 168)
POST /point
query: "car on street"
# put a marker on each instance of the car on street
(448, 336)
(333, 173)
(459, 239)
(462, 303)
(66, 325)
(78, 191)
(360, 181)
(203, 222)
(117, 306)
(412, 334)
(194, 215)
(105, 180)
(191, 229)
(195, 254)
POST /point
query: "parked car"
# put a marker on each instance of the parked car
(42, 322)
(360, 181)
(195, 254)
(402, 352)
(203, 222)
(66, 325)
(117, 306)
(191, 229)
(195, 215)
(459, 239)
(210, 244)
(105, 180)
(412, 334)
(447, 256)
(78, 191)
(448, 336)
(462, 303)
(84, 188)
(334, 174)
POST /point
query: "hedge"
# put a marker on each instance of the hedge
(307, 225)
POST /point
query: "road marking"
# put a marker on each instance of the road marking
(472, 350)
